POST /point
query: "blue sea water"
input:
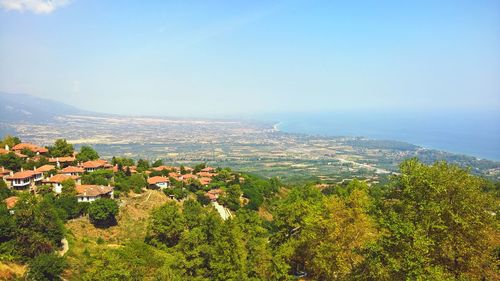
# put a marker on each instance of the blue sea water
(471, 133)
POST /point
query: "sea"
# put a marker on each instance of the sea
(474, 133)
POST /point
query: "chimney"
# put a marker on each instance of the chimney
(11, 173)
(7, 147)
(34, 168)
(22, 169)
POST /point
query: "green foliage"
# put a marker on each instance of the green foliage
(61, 148)
(133, 261)
(87, 153)
(44, 189)
(158, 163)
(122, 161)
(178, 192)
(11, 161)
(4, 191)
(99, 177)
(135, 182)
(9, 140)
(39, 228)
(437, 224)
(166, 225)
(142, 165)
(231, 198)
(46, 267)
(197, 168)
(28, 152)
(102, 212)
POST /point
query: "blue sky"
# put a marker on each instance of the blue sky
(214, 58)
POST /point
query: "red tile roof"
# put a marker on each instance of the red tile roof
(157, 179)
(22, 175)
(4, 151)
(30, 146)
(4, 171)
(206, 174)
(174, 175)
(45, 168)
(59, 178)
(71, 169)
(62, 159)
(161, 168)
(205, 181)
(94, 164)
(208, 169)
(92, 190)
(189, 176)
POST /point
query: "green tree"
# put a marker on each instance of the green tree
(102, 212)
(122, 161)
(232, 197)
(46, 267)
(4, 191)
(9, 140)
(438, 225)
(335, 239)
(11, 161)
(158, 163)
(166, 225)
(142, 165)
(61, 148)
(87, 153)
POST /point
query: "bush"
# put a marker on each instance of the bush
(102, 212)
(46, 267)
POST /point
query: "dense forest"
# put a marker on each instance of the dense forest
(429, 222)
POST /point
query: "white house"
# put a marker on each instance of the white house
(57, 180)
(90, 193)
(158, 182)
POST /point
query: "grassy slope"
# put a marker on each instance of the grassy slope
(132, 223)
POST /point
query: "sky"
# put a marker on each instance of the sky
(215, 58)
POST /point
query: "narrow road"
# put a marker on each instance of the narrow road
(223, 211)
(65, 247)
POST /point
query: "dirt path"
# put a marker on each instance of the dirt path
(65, 247)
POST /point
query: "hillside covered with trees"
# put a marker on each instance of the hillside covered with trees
(429, 222)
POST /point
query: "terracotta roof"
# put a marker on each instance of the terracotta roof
(59, 178)
(216, 191)
(45, 168)
(4, 151)
(62, 159)
(205, 181)
(206, 174)
(22, 175)
(133, 169)
(161, 168)
(157, 179)
(4, 171)
(92, 190)
(208, 169)
(211, 196)
(94, 164)
(188, 176)
(72, 169)
(11, 201)
(30, 146)
(174, 175)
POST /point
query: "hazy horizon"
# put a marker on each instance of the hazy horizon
(224, 58)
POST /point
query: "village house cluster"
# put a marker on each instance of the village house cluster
(60, 169)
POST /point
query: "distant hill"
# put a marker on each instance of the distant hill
(27, 108)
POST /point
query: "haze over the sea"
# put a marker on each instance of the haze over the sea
(467, 132)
